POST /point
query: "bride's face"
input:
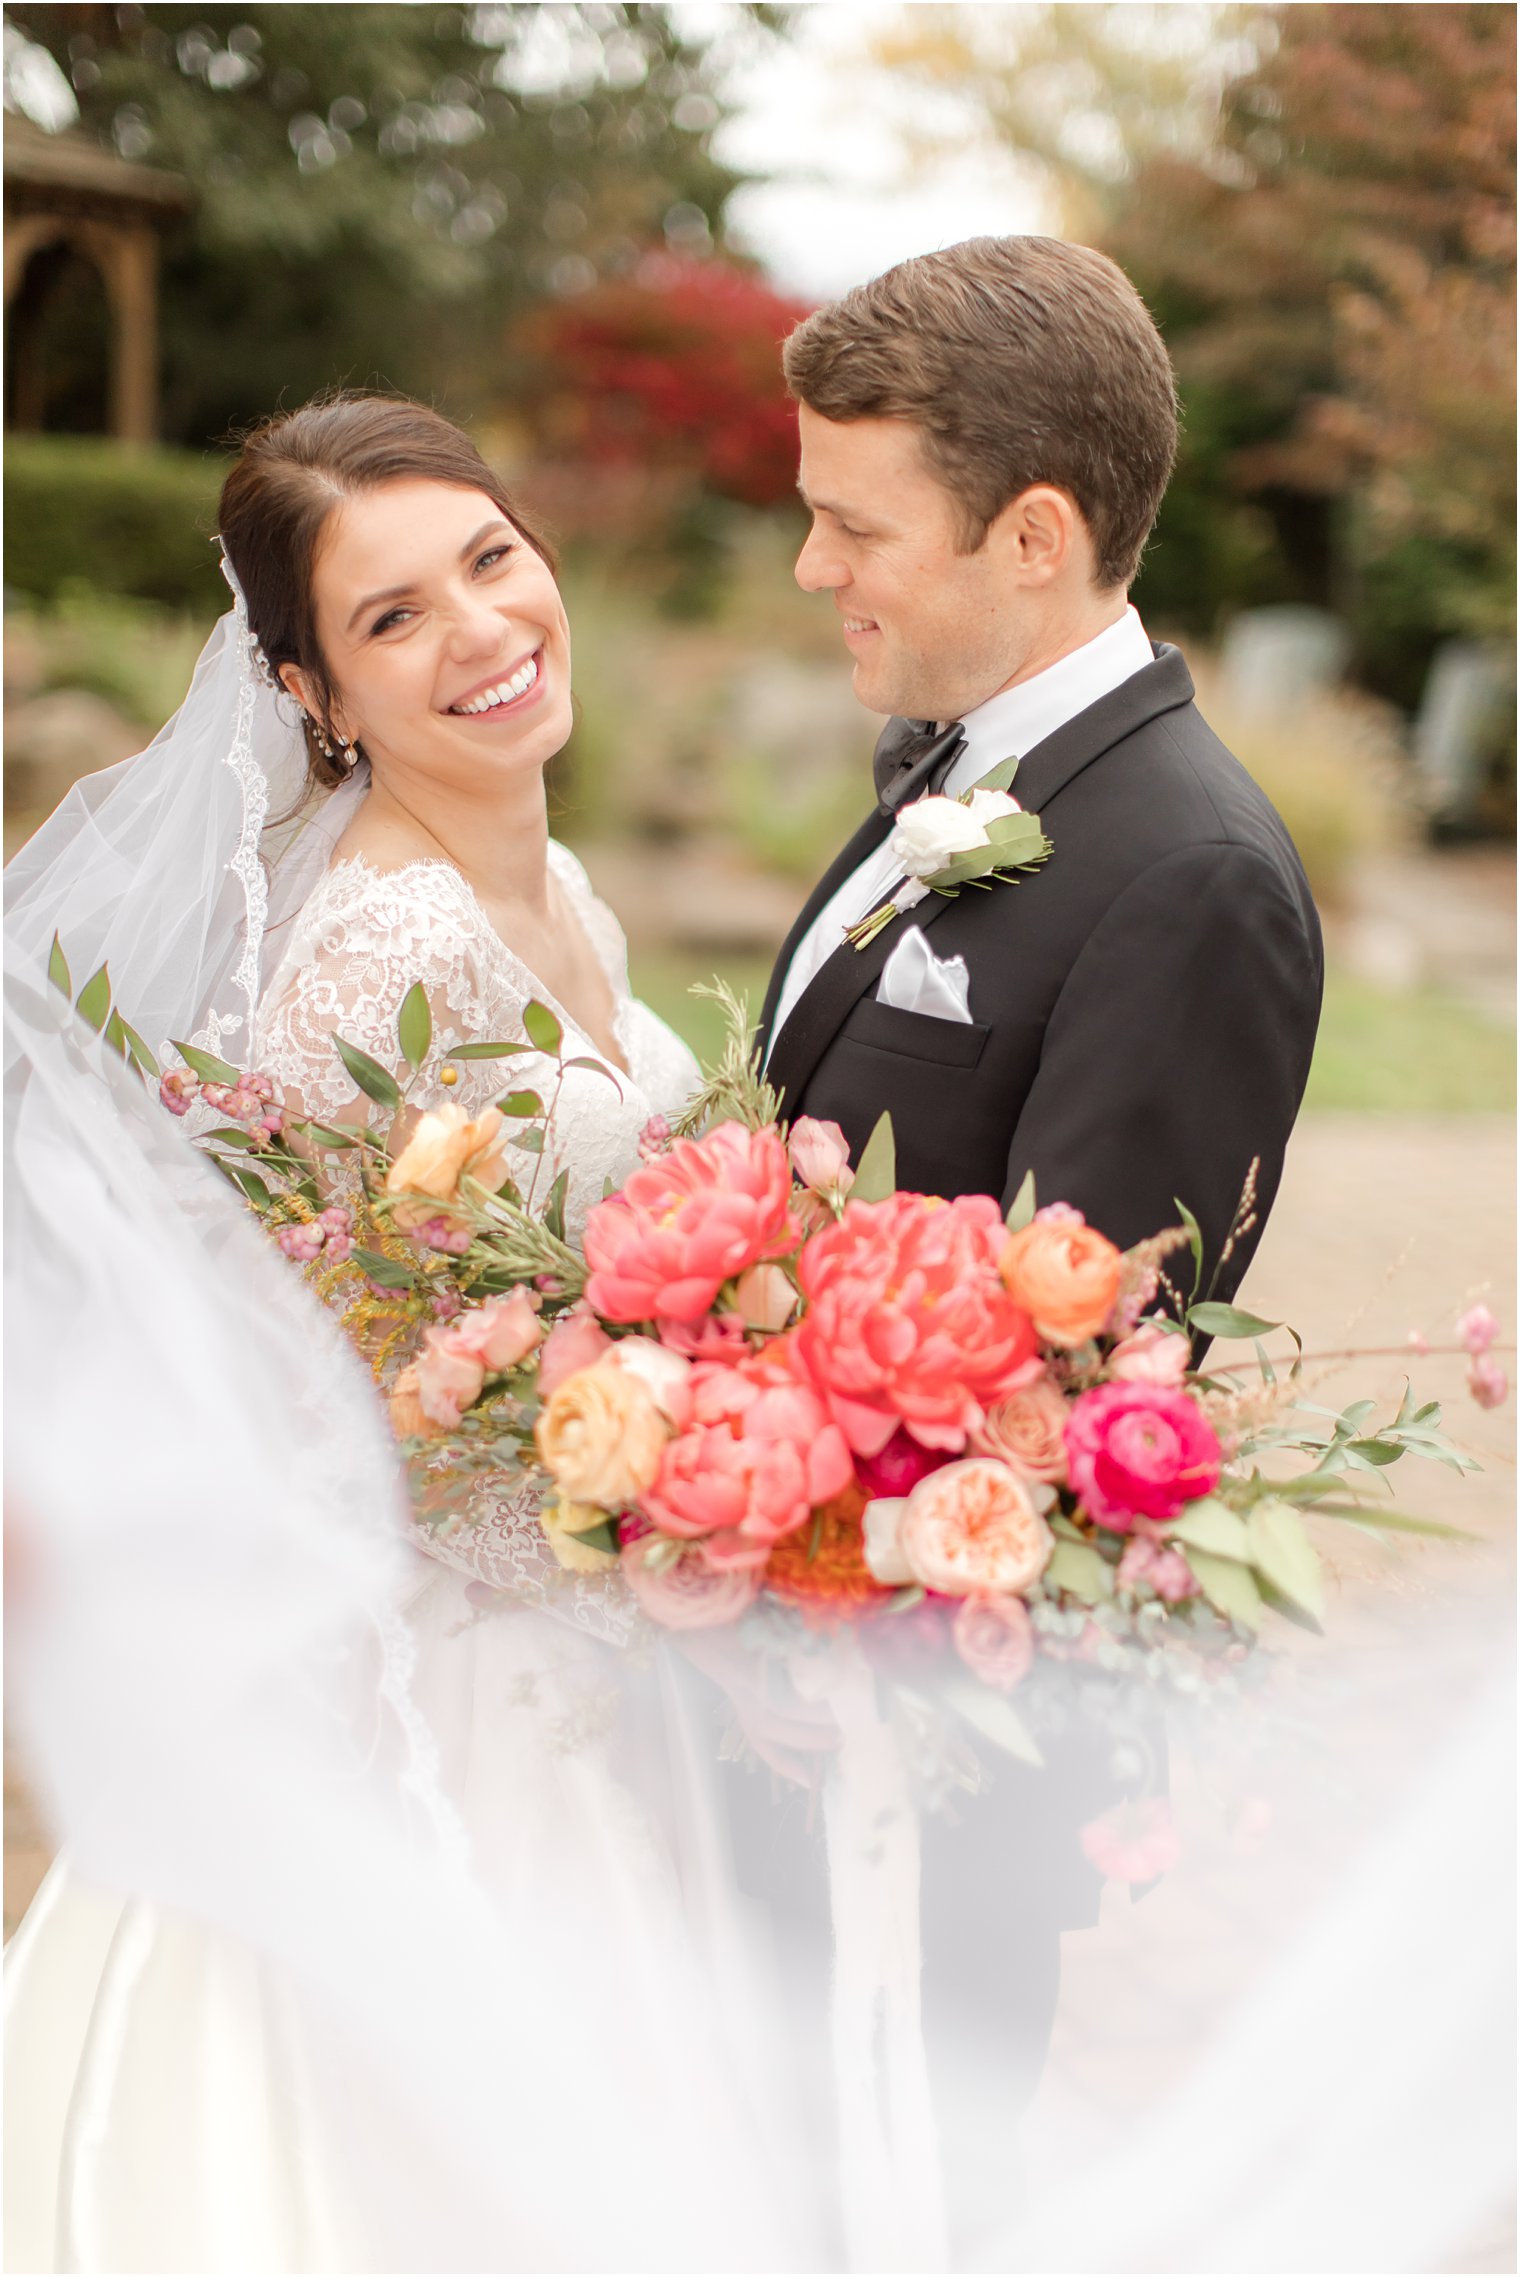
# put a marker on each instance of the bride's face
(444, 635)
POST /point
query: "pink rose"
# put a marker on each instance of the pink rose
(1476, 1330)
(686, 1593)
(1487, 1382)
(1028, 1430)
(1161, 1569)
(1139, 1451)
(688, 1221)
(446, 1382)
(756, 1458)
(498, 1334)
(1134, 1842)
(995, 1638)
(973, 1527)
(577, 1340)
(908, 1321)
(820, 1156)
(1150, 1356)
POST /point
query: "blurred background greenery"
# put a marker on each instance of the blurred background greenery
(523, 215)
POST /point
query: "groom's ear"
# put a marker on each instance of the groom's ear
(1040, 538)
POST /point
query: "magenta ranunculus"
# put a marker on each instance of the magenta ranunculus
(756, 1457)
(688, 1221)
(1139, 1451)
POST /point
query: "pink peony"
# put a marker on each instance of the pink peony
(687, 1593)
(688, 1221)
(908, 1321)
(1476, 1330)
(1161, 1569)
(1134, 1842)
(1487, 1382)
(577, 1340)
(1139, 1451)
(995, 1639)
(498, 1334)
(756, 1458)
(1150, 1355)
(820, 1156)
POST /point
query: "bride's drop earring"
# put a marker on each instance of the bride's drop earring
(342, 756)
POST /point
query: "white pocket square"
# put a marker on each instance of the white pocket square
(914, 979)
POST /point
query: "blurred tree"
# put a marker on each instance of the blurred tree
(1317, 201)
(379, 188)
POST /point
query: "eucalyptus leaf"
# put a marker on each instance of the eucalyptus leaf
(139, 1050)
(595, 1067)
(1228, 1587)
(1022, 1208)
(1228, 1320)
(995, 1718)
(414, 1025)
(255, 1189)
(94, 999)
(58, 968)
(1000, 777)
(486, 1051)
(1080, 1571)
(115, 1034)
(385, 1270)
(206, 1065)
(554, 1213)
(1283, 1555)
(373, 1080)
(521, 1104)
(531, 1141)
(542, 1027)
(876, 1171)
(1212, 1525)
(329, 1139)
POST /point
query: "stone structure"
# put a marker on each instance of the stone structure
(62, 189)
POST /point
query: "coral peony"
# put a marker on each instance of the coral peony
(577, 1340)
(820, 1155)
(1064, 1274)
(685, 1592)
(1150, 1355)
(1028, 1430)
(1139, 1451)
(600, 1436)
(908, 1322)
(995, 1638)
(1134, 1842)
(446, 1145)
(688, 1221)
(757, 1457)
(971, 1527)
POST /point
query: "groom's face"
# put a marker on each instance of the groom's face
(931, 631)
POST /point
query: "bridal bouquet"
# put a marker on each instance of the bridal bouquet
(774, 1389)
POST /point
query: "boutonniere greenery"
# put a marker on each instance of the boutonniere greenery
(945, 843)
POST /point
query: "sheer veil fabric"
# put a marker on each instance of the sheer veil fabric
(401, 1926)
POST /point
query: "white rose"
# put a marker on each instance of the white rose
(986, 806)
(932, 832)
(882, 1522)
(662, 1373)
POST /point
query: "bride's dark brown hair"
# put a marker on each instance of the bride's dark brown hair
(292, 474)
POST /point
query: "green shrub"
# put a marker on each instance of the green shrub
(82, 512)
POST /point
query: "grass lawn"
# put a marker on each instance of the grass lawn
(1415, 1052)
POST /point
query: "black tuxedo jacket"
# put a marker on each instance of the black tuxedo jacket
(1143, 1007)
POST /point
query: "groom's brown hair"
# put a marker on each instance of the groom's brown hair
(1020, 360)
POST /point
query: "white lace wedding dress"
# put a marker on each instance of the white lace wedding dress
(159, 2117)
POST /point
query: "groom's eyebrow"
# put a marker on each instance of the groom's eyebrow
(400, 592)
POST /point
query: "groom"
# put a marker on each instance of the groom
(986, 435)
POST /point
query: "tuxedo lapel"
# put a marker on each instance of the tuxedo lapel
(864, 843)
(837, 987)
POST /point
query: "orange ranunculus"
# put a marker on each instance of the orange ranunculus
(447, 1145)
(1065, 1274)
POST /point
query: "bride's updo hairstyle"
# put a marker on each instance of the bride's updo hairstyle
(292, 474)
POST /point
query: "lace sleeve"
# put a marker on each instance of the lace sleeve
(363, 941)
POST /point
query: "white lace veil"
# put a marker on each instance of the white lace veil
(176, 866)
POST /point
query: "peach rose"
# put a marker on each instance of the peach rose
(561, 1525)
(995, 1638)
(447, 1145)
(1027, 1428)
(577, 1340)
(1064, 1274)
(498, 1334)
(601, 1436)
(973, 1526)
(684, 1592)
(447, 1381)
(409, 1418)
(1150, 1355)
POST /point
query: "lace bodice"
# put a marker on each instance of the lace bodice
(363, 938)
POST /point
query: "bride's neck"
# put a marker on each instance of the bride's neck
(503, 850)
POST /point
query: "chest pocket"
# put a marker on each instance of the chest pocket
(915, 1035)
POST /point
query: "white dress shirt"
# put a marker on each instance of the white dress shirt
(1011, 722)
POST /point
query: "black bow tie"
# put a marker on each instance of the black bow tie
(912, 759)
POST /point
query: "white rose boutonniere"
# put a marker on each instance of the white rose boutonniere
(944, 843)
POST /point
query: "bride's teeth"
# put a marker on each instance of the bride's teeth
(503, 693)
